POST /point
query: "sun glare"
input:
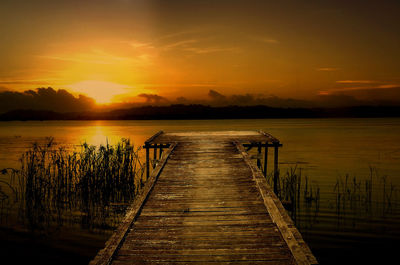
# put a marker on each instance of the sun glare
(102, 92)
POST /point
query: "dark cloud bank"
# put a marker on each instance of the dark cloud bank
(217, 99)
(44, 99)
(50, 104)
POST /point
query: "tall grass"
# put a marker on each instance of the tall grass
(374, 194)
(296, 191)
(87, 187)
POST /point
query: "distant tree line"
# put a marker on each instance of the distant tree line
(185, 112)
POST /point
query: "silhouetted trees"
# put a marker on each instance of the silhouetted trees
(184, 112)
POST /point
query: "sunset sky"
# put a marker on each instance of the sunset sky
(115, 50)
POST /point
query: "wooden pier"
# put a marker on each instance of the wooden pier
(207, 202)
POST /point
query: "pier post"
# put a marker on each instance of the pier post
(265, 159)
(147, 161)
(276, 170)
(155, 155)
(258, 155)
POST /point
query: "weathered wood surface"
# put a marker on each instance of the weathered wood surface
(211, 205)
(227, 136)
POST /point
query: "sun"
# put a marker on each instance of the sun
(101, 91)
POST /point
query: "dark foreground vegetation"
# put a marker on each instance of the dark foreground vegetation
(88, 187)
(182, 112)
(61, 205)
(371, 195)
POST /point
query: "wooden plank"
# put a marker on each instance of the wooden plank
(241, 262)
(105, 255)
(220, 251)
(204, 258)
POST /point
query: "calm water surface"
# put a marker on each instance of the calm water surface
(325, 149)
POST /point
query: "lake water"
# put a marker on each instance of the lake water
(325, 149)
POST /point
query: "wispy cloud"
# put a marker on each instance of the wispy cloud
(196, 46)
(27, 81)
(266, 40)
(357, 82)
(76, 60)
(328, 69)
(140, 45)
(97, 56)
(179, 34)
(389, 86)
(270, 41)
(181, 43)
(359, 88)
(205, 50)
(181, 85)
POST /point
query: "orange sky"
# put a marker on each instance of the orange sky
(115, 50)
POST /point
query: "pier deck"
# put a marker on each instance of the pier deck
(206, 202)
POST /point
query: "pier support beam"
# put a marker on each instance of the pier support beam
(259, 155)
(154, 155)
(265, 159)
(276, 169)
(147, 161)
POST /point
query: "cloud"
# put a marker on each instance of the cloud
(182, 100)
(93, 57)
(44, 99)
(359, 85)
(26, 82)
(215, 95)
(388, 96)
(266, 40)
(218, 99)
(182, 43)
(153, 98)
(140, 45)
(389, 86)
(328, 69)
(270, 41)
(195, 46)
(98, 56)
(210, 49)
(179, 34)
(356, 82)
(368, 92)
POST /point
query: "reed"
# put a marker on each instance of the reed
(296, 190)
(89, 186)
(373, 194)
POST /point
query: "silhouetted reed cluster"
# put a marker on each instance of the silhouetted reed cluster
(89, 187)
(296, 190)
(374, 194)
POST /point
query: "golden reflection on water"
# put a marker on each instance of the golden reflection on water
(98, 134)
